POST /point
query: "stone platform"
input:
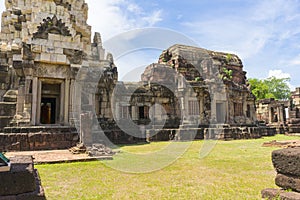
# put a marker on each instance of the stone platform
(57, 156)
(22, 182)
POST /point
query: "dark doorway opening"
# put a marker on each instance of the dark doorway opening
(141, 112)
(48, 111)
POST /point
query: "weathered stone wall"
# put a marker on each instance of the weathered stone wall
(286, 162)
(7, 111)
(37, 138)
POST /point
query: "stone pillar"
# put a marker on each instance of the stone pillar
(134, 113)
(213, 110)
(39, 99)
(67, 102)
(201, 108)
(21, 98)
(62, 102)
(270, 115)
(34, 101)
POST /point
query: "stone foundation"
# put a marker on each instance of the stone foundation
(286, 162)
(22, 182)
(235, 133)
(38, 138)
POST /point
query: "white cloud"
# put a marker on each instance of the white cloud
(278, 73)
(154, 18)
(230, 34)
(113, 17)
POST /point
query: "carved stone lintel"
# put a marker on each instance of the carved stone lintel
(51, 25)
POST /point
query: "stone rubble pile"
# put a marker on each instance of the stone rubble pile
(99, 150)
(287, 164)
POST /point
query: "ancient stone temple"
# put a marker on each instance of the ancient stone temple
(57, 86)
(191, 89)
(273, 113)
(46, 50)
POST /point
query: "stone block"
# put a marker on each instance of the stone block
(54, 37)
(287, 161)
(59, 50)
(45, 57)
(20, 179)
(47, 49)
(17, 57)
(288, 182)
(279, 194)
(53, 58)
(36, 48)
(61, 58)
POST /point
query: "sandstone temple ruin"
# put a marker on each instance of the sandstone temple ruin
(53, 75)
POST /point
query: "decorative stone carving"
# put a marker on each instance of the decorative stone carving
(51, 25)
(75, 56)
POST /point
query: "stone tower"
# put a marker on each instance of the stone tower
(44, 45)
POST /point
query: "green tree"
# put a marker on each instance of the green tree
(272, 87)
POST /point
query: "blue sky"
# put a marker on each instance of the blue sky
(264, 33)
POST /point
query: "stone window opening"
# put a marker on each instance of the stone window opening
(238, 109)
(248, 111)
(194, 108)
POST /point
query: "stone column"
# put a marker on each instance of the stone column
(201, 108)
(21, 98)
(270, 114)
(39, 99)
(34, 101)
(134, 113)
(62, 102)
(67, 102)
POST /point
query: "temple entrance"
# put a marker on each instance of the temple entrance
(50, 104)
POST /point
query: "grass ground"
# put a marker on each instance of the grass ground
(232, 170)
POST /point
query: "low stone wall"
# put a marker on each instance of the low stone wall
(119, 137)
(286, 162)
(38, 138)
(22, 182)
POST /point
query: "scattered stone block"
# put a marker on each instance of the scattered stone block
(20, 179)
(288, 182)
(287, 161)
(274, 194)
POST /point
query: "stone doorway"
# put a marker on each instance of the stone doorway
(50, 103)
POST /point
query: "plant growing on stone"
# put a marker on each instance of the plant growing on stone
(226, 74)
(228, 58)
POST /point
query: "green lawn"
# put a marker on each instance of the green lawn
(232, 170)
